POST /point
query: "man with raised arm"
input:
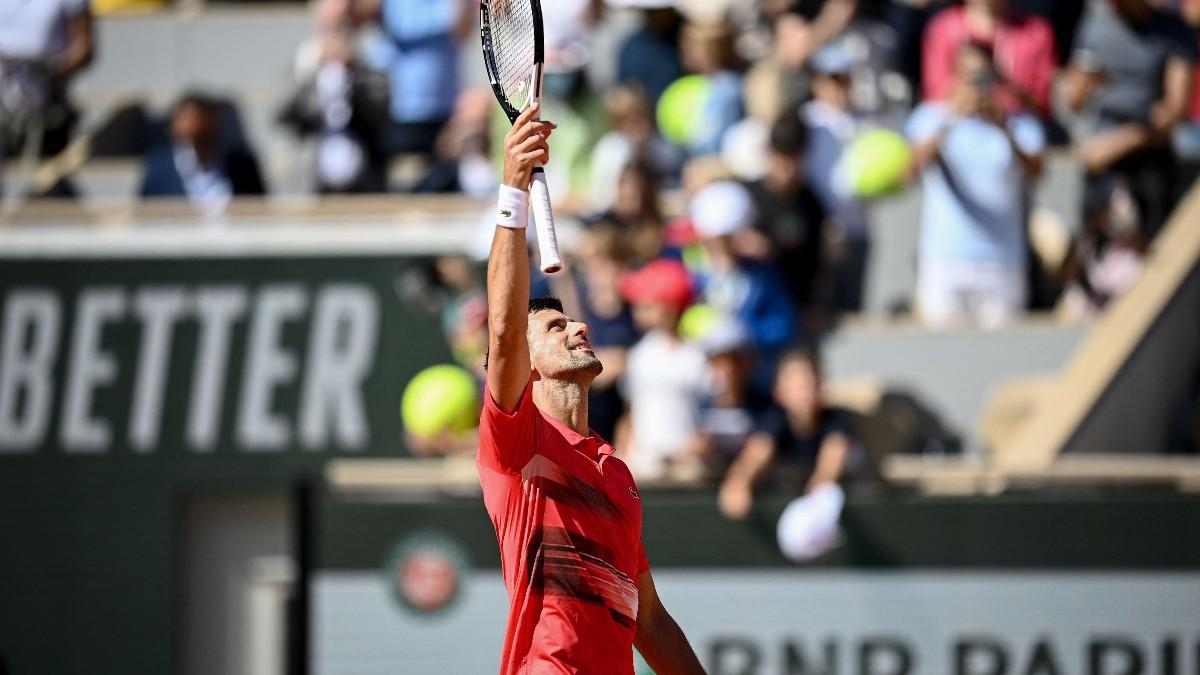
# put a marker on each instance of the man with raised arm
(567, 514)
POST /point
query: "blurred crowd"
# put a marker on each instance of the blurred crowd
(724, 157)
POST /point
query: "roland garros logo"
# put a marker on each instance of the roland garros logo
(425, 572)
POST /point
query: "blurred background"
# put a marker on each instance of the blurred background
(898, 301)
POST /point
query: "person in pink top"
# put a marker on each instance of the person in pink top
(1023, 45)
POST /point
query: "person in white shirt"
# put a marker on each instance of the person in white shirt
(666, 377)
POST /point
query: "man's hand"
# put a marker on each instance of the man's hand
(735, 498)
(525, 148)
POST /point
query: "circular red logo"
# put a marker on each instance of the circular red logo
(428, 580)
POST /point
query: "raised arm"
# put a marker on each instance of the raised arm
(525, 147)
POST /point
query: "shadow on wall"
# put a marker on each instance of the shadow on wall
(901, 424)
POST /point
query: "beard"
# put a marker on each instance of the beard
(579, 362)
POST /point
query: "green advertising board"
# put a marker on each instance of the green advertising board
(127, 384)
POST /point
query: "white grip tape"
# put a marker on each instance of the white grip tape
(543, 220)
(512, 208)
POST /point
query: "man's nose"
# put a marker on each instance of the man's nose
(581, 329)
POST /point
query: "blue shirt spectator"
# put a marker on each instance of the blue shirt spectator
(973, 205)
(975, 162)
(722, 109)
(421, 57)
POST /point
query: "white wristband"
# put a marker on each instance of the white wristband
(513, 208)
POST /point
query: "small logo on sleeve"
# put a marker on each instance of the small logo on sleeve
(634, 492)
(506, 213)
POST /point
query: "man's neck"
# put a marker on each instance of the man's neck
(565, 401)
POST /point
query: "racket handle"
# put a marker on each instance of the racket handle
(543, 221)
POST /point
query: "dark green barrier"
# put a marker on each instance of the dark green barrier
(126, 385)
(1127, 531)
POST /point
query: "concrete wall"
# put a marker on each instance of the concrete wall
(953, 372)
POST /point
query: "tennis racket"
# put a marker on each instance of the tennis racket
(514, 55)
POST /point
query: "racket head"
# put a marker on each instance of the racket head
(513, 51)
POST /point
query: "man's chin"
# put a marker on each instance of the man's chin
(586, 362)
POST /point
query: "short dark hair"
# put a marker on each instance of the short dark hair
(535, 305)
(789, 136)
(545, 302)
(207, 103)
(805, 352)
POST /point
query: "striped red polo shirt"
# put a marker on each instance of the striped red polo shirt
(568, 519)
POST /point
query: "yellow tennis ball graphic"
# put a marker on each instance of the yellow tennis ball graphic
(876, 163)
(697, 322)
(440, 399)
(680, 108)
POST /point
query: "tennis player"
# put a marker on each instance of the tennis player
(567, 514)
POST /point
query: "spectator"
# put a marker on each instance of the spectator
(728, 415)
(788, 216)
(1023, 46)
(1133, 66)
(739, 287)
(419, 52)
(463, 311)
(632, 136)
(343, 105)
(807, 26)
(635, 210)
(1187, 138)
(798, 437)
(975, 160)
(461, 155)
(43, 46)
(665, 379)
(708, 50)
(833, 123)
(1107, 258)
(201, 162)
(650, 57)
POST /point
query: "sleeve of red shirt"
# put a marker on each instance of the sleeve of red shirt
(506, 441)
(1043, 64)
(938, 50)
(643, 561)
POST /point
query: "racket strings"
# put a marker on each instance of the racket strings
(513, 47)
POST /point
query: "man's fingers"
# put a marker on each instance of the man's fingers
(541, 156)
(521, 131)
(530, 143)
(527, 115)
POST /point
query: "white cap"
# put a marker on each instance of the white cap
(808, 527)
(744, 148)
(722, 208)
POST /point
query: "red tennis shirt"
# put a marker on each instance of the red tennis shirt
(568, 518)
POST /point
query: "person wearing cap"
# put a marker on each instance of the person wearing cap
(737, 286)
(665, 376)
(833, 123)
